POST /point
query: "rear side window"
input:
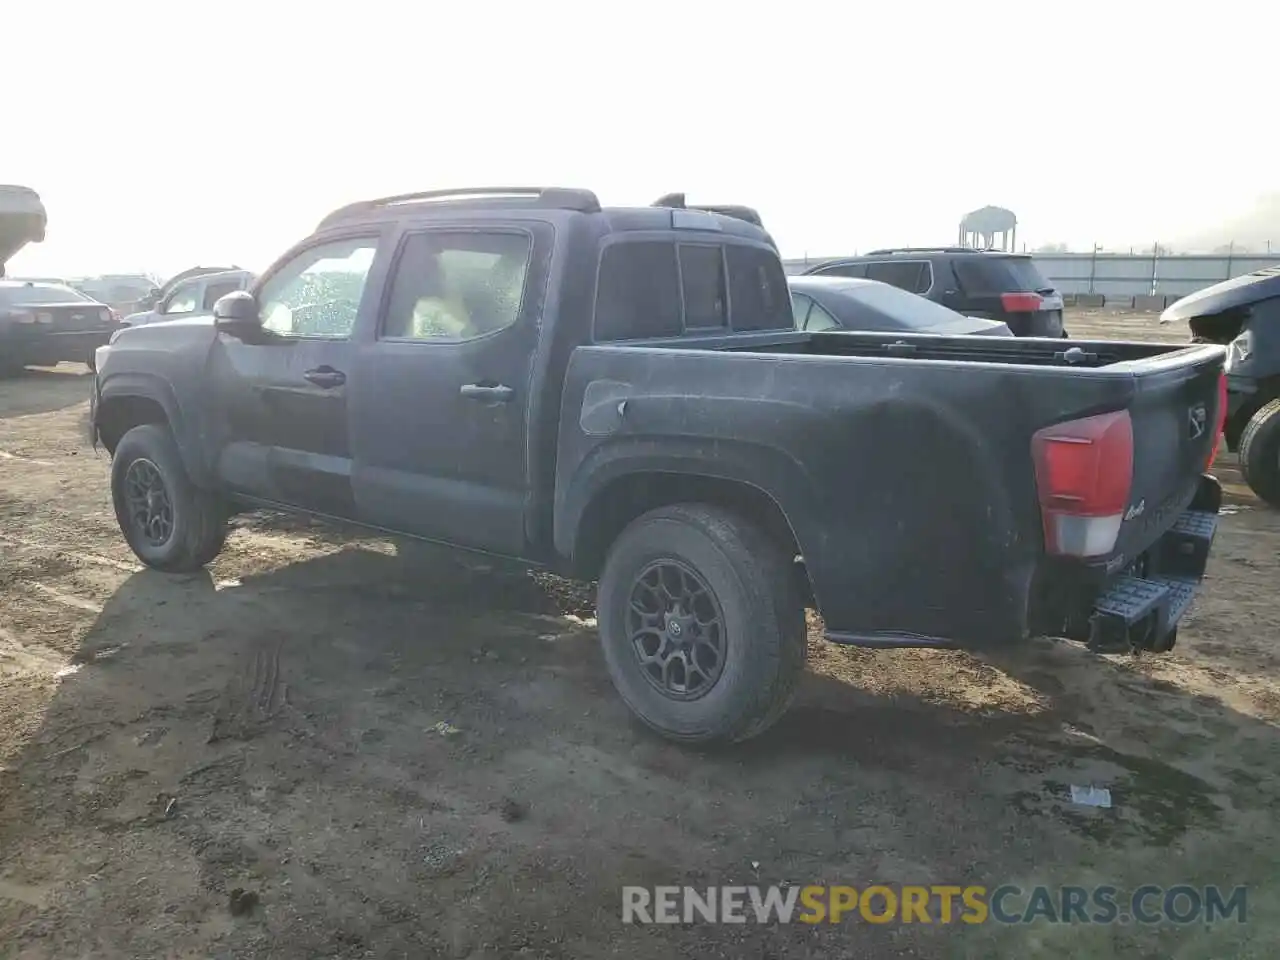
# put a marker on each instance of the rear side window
(638, 296)
(843, 270)
(758, 290)
(702, 279)
(914, 276)
(992, 276)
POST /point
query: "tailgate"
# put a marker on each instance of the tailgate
(1176, 415)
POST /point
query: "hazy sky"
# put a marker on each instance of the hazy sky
(847, 124)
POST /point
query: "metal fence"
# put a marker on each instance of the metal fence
(1128, 274)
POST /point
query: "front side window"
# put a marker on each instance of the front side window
(184, 299)
(457, 286)
(318, 292)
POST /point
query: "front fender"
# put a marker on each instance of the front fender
(150, 386)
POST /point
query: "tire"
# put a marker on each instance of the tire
(92, 363)
(1260, 453)
(750, 584)
(197, 524)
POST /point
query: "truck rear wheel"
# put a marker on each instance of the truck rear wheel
(1260, 453)
(702, 624)
(169, 523)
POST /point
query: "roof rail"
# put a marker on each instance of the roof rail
(881, 252)
(677, 202)
(558, 198)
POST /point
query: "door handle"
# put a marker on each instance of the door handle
(488, 393)
(325, 377)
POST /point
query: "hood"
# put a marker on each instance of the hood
(1236, 292)
(22, 220)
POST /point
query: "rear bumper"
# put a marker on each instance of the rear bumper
(1141, 608)
(1136, 606)
(44, 349)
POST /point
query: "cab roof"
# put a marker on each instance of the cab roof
(667, 213)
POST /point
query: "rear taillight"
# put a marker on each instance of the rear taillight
(1220, 420)
(1084, 474)
(1021, 302)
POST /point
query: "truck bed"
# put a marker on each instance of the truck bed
(1073, 354)
(903, 463)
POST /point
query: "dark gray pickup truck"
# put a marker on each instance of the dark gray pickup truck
(621, 395)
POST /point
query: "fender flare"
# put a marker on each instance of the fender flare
(149, 386)
(766, 469)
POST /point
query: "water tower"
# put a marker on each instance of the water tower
(980, 228)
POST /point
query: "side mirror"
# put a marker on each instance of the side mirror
(237, 310)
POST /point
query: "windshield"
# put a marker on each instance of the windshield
(908, 308)
(40, 293)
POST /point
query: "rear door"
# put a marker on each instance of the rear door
(441, 395)
(1009, 288)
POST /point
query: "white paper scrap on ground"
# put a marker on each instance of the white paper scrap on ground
(1091, 796)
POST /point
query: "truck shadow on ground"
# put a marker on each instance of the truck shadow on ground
(427, 757)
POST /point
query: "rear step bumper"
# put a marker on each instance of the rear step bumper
(1142, 612)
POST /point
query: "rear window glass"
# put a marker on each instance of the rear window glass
(996, 275)
(702, 278)
(758, 290)
(638, 295)
(40, 293)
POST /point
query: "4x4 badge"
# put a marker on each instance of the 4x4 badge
(1196, 417)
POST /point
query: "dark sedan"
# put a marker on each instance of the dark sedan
(44, 323)
(825, 303)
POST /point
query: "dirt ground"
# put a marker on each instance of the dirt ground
(422, 758)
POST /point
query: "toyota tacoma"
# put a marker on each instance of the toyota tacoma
(619, 394)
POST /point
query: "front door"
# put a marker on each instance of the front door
(439, 405)
(283, 394)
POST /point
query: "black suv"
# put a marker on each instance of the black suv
(978, 283)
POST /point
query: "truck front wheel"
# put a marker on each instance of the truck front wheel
(169, 522)
(702, 624)
(1260, 453)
